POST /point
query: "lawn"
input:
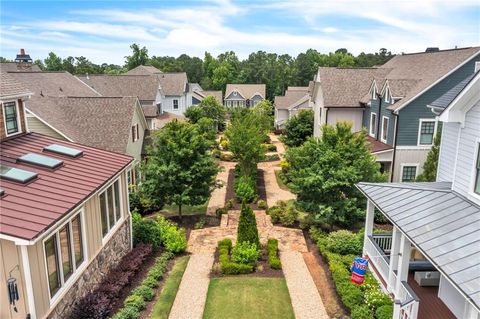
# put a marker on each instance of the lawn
(164, 304)
(248, 297)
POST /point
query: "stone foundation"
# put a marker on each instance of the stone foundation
(109, 257)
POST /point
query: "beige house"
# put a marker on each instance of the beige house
(295, 99)
(244, 95)
(65, 219)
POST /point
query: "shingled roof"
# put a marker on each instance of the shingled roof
(102, 122)
(9, 87)
(143, 86)
(246, 90)
(144, 70)
(292, 95)
(19, 67)
(173, 83)
(444, 101)
(28, 210)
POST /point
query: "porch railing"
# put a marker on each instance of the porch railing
(407, 301)
(384, 241)
(377, 257)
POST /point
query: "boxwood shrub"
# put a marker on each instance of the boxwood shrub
(273, 260)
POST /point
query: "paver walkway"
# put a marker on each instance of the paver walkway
(192, 293)
(306, 300)
(274, 192)
(217, 199)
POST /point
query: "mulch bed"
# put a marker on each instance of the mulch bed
(261, 190)
(267, 271)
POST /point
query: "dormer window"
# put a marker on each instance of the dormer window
(11, 118)
(374, 92)
(387, 95)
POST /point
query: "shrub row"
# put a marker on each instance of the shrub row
(139, 297)
(97, 304)
(269, 147)
(273, 260)
(245, 186)
(228, 267)
(365, 301)
(158, 232)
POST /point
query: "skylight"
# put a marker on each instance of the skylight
(64, 150)
(41, 160)
(16, 174)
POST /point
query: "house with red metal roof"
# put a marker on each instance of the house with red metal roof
(64, 219)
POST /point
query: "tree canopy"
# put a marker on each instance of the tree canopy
(298, 128)
(323, 172)
(430, 166)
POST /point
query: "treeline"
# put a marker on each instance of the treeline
(277, 71)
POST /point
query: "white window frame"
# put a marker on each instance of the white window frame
(420, 121)
(387, 94)
(374, 126)
(374, 92)
(471, 191)
(113, 228)
(403, 165)
(77, 271)
(173, 104)
(386, 135)
(19, 122)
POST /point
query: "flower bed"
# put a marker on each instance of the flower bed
(365, 301)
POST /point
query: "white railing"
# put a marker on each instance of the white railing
(408, 302)
(377, 257)
(384, 241)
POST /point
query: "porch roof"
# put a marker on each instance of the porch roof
(442, 224)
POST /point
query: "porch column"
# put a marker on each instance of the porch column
(402, 273)
(368, 223)
(393, 265)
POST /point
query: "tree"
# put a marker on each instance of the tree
(209, 108)
(179, 169)
(265, 112)
(323, 173)
(247, 227)
(138, 57)
(429, 173)
(298, 128)
(53, 62)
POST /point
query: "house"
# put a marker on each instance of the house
(61, 201)
(244, 95)
(199, 95)
(394, 106)
(22, 63)
(430, 261)
(295, 98)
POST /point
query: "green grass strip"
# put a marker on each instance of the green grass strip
(164, 304)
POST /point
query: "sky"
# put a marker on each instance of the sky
(102, 31)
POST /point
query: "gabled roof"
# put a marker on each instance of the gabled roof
(9, 87)
(19, 67)
(145, 87)
(346, 87)
(144, 70)
(443, 225)
(173, 83)
(246, 90)
(102, 122)
(28, 210)
(150, 111)
(200, 95)
(291, 97)
(444, 101)
(399, 88)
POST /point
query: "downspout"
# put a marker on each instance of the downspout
(394, 146)
(378, 115)
(326, 115)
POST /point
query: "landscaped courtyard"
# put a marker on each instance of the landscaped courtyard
(246, 298)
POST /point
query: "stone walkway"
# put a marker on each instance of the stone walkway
(306, 301)
(192, 293)
(217, 199)
(274, 192)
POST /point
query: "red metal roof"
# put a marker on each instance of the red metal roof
(377, 146)
(29, 209)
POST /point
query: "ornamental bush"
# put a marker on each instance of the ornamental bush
(247, 227)
(135, 302)
(273, 260)
(284, 213)
(384, 312)
(145, 292)
(173, 238)
(245, 253)
(362, 312)
(145, 230)
(344, 242)
(244, 189)
(230, 268)
(127, 313)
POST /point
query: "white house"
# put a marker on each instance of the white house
(430, 263)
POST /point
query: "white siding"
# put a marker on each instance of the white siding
(167, 104)
(353, 116)
(281, 116)
(448, 152)
(467, 152)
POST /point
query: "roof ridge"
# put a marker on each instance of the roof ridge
(440, 51)
(405, 186)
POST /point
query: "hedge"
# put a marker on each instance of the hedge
(228, 267)
(273, 260)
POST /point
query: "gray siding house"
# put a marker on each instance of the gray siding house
(436, 226)
(244, 95)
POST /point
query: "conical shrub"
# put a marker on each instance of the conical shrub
(247, 226)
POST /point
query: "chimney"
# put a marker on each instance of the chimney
(23, 60)
(22, 51)
(432, 49)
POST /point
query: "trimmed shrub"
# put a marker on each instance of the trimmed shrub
(173, 238)
(247, 227)
(362, 312)
(145, 230)
(127, 313)
(230, 268)
(273, 260)
(230, 204)
(93, 305)
(284, 213)
(150, 282)
(269, 147)
(245, 253)
(135, 302)
(145, 292)
(244, 190)
(344, 242)
(384, 312)
(262, 204)
(351, 294)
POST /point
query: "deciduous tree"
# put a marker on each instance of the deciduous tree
(298, 128)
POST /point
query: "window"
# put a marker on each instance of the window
(476, 187)
(175, 104)
(110, 210)
(64, 254)
(374, 92)
(384, 129)
(11, 118)
(409, 173)
(387, 95)
(373, 124)
(427, 129)
(135, 133)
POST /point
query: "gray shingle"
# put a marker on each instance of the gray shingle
(443, 101)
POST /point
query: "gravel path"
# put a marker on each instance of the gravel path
(306, 301)
(192, 294)
(217, 199)
(274, 192)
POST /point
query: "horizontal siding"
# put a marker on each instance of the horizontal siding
(374, 107)
(467, 148)
(409, 156)
(354, 116)
(448, 152)
(35, 125)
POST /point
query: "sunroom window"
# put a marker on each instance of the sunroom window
(110, 210)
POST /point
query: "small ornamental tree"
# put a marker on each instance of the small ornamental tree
(210, 108)
(247, 227)
(323, 173)
(429, 173)
(179, 168)
(298, 128)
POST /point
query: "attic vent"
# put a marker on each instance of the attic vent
(64, 150)
(16, 174)
(40, 160)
